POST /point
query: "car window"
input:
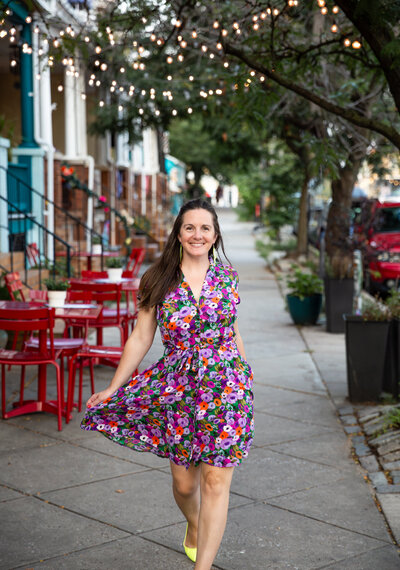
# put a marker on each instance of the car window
(387, 220)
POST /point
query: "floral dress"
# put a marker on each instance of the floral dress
(195, 403)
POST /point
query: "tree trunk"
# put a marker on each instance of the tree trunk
(302, 227)
(337, 238)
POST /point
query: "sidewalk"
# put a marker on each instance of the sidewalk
(73, 500)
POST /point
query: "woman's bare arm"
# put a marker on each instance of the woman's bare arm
(239, 341)
(136, 348)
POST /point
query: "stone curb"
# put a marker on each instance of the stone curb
(383, 475)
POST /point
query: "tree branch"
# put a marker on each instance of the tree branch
(349, 114)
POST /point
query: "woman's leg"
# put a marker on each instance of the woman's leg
(215, 483)
(186, 489)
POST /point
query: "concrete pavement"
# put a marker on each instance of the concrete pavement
(73, 500)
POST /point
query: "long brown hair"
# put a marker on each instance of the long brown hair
(165, 274)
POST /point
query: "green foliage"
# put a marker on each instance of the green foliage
(302, 284)
(374, 310)
(393, 303)
(265, 248)
(115, 262)
(56, 284)
(392, 419)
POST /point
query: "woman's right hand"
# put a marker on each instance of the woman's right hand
(99, 397)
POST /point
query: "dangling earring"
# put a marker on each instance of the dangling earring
(180, 252)
(215, 255)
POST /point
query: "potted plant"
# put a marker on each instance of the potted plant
(97, 245)
(304, 298)
(56, 290)
(366, 338)
(114, 268)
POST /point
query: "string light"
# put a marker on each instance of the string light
(334, 28)
(335, 9)
(347, 42)
(356, 44)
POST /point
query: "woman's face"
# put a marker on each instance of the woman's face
(197, 233)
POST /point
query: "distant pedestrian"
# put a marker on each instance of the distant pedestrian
(218, 193)
(194, 405)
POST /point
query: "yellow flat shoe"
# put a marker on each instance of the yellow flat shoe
(191, 553)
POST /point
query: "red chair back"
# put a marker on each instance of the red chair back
(86, 274)
(40, 319)
(100, 292)
(32, 253)
(135, 260)
(38, 295)
(14, 286)
(79, 296)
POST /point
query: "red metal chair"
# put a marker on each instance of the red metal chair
(40, 320)
(107, 355)
(131, 300)
(38, 296)
(110, 317)
(135, 260)
(32, 253)
(86, 274)
(14, 286)
(67, 347)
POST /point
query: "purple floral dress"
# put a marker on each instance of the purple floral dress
(195, 403)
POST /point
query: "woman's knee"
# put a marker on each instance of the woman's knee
(185, 483)
(217, 481)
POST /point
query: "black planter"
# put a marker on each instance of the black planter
(366, 344)
(304, 311)
(338, 302)
(391, 377)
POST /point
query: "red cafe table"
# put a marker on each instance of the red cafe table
(128, 285)
(41, 404)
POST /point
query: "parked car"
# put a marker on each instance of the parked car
(376, 231)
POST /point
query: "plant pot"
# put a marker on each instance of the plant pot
(96, 248)
(339, 295)
(115, 273)
(391, 376)
(56, 298)
(304, 311)
(366, 344)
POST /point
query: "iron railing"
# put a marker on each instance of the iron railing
(75, 230)
(29, 228)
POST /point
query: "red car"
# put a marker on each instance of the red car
(379, 236)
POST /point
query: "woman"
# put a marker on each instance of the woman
(194, 406)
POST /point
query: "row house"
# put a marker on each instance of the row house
(45, 149)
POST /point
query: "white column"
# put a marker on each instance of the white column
(70, 115)
(80, 94)
(4, 146)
